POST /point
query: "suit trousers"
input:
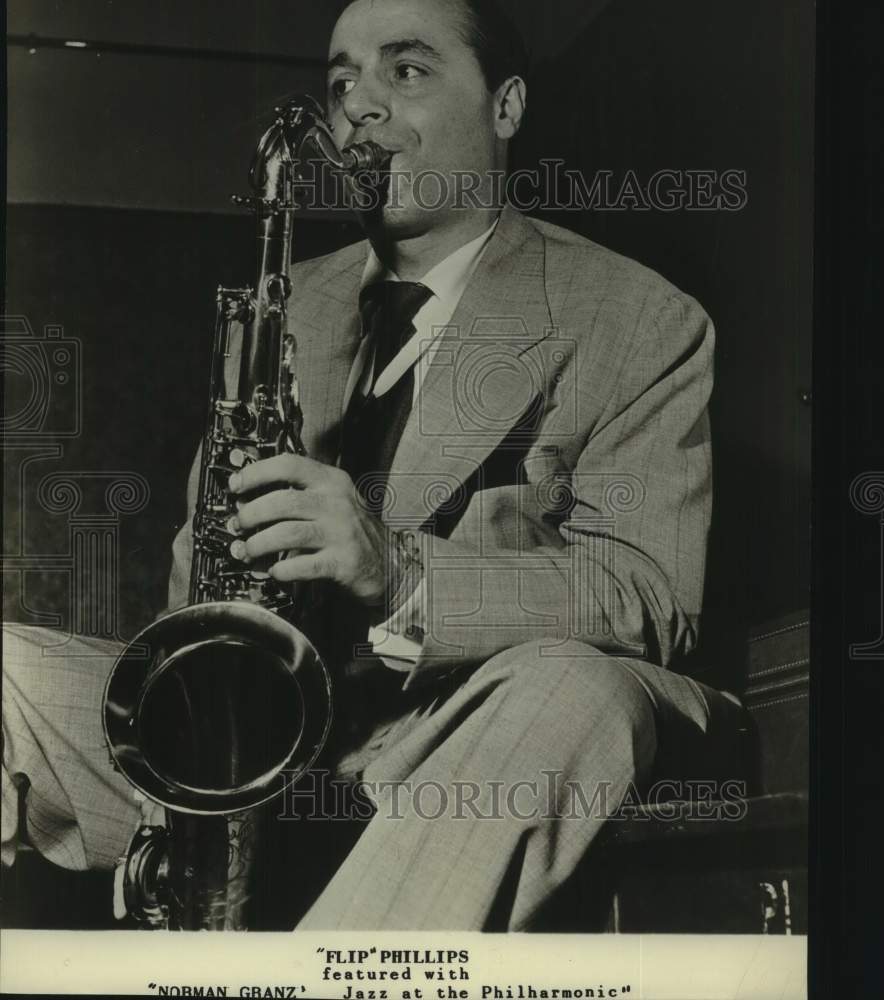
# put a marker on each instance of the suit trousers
(487, 790)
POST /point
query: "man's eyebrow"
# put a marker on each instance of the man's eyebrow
(344, 59)
(410, 45)
(340, 59)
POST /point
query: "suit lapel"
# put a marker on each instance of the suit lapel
(482, 378)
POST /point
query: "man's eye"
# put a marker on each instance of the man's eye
(340, 88)
(409, 72)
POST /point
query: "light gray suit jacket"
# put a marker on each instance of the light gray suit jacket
(557, 462)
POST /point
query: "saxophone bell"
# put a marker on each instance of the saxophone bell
(229, 702)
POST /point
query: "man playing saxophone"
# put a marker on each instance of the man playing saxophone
(504, 505)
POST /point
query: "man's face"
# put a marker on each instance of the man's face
(401, 74)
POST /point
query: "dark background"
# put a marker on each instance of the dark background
(119, 230)
(847, 697)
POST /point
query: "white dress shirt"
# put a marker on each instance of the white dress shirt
(397, 641)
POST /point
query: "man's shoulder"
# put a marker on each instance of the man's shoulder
(578, 268)
(594, 292)
(327, 266)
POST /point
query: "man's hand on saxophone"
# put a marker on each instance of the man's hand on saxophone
(316, 516)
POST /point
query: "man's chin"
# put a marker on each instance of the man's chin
(396, 223)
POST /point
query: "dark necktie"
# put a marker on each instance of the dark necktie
(373, 425)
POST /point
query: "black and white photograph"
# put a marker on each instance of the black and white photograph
(407, 515)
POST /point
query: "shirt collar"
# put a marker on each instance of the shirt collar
(448, 279)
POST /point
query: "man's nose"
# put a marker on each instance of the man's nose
(366, 104)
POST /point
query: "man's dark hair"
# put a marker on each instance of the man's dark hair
(492, 34)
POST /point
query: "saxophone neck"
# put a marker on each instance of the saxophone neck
(301, 134)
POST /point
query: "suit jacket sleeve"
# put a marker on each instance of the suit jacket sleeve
(624, 571)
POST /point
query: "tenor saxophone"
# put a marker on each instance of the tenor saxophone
(215, 709)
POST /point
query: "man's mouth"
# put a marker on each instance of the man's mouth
(391, 145)
(371, 187)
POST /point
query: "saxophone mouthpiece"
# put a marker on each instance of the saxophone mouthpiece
(364, 157)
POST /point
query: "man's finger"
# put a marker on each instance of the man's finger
(289, 470)
(299, 536)
(317, 566)
(281, 505)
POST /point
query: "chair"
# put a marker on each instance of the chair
(672, 868)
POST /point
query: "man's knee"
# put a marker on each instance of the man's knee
(587, 668)
(80, 813)
(575, 683)
(23, 645)
(39, 657)
(22, 660)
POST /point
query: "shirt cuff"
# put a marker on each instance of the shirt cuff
(399, 640)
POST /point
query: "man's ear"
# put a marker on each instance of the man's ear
(510, 102)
